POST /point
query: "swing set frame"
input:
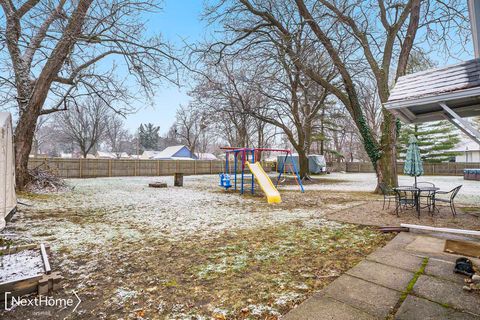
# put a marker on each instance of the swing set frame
(255, 155)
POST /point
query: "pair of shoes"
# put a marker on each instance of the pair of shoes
(464, 266)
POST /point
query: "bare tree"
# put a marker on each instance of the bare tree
(53, 52)
(293, 102)
(330, 120)
(263, 82)
(359, 39)
(190, 124)
(40, 136)
(84, 124)
(116, 136)
(170, 138)
(222, 99)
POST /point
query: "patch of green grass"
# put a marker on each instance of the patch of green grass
(408, 289)
(475, 211)
(445, 305)
(35, 196)
(4, 242)
(171, 283)
(43, 234)
(280, 246)
(412, 282)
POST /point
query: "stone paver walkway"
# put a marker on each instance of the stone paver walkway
(409, 278)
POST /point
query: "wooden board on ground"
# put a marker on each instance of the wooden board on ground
(464, 248)
(36, 276)
(157, 185)
(393, 229)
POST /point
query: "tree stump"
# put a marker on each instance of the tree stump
(178, 181)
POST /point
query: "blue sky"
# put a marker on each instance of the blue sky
(178, 21)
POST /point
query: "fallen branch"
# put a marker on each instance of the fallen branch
(45, 181)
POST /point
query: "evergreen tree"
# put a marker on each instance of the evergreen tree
(149, 136)
(435, 139)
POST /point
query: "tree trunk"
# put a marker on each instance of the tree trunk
(322, 132)
(35, 147)
(31, 98)
(24, 133)
(303, 162)
(386, 166)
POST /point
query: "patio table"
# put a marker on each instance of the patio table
(416, 195)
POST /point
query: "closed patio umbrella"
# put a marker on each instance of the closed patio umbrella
(413, 161)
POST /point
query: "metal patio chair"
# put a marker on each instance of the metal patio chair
(406, 197)
(388, 194)
(440, 196)
(428, 195)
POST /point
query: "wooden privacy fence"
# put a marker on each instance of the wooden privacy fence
(92, 168)
(439, 169)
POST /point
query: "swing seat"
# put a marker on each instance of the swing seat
(225, 181)
(228, 183)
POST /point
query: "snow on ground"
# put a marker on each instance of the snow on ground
(469, 194)
(127, 207)
(20, 265)
(103, 209)
(168, 249)
(122, 236)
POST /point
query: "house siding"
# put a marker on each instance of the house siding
(184, 153)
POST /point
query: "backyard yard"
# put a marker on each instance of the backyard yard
(197, 252)
(125, 127)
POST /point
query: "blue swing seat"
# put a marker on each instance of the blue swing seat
(225, 180)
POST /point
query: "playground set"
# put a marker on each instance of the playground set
(249, 158)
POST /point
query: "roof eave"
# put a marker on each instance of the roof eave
(441, 97)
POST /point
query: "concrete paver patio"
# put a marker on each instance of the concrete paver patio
(409, 278)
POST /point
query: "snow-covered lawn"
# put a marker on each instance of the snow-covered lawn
(198, 252)
(194, 252)
(114, 205)
(469, 193)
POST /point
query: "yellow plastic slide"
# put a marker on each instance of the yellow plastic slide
(273, 196)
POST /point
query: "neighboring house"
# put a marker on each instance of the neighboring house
(149, 154)
(105, 155)
(122, 155)
(175, 153)
(205, 156)
(90, 156)
(66, 155)
(39, 155)
(470, 152)
(136, 156)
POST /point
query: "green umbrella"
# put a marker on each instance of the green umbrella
(413, 161)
